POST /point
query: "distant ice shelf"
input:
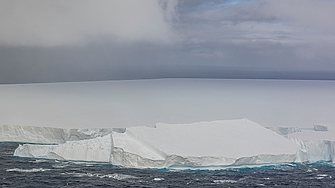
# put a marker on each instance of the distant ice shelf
(226, 143)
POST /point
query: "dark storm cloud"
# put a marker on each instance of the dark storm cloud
(185, 38)
(262, 35)
(224, 11)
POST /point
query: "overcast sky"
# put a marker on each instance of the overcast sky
(82, 40)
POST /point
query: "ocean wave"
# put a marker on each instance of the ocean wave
(60, 166)
(224, 181)
(159, 179)
(27, 170)
(114, 176)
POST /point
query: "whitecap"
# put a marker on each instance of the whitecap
(27, 170)
(60, 166)
(158, 179)
(322, 175)
(224, 181)
(120, 176)
(40, 161)
(79, 174)
(114, 176)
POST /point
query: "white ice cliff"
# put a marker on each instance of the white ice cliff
(317, 143)
(49, 135)
(198, 145)
(97, 149)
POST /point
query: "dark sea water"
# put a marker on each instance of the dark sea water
(23, 172)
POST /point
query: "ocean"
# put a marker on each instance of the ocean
(29, 172)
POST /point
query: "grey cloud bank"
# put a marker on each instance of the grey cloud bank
(52, 41)
(76, 22)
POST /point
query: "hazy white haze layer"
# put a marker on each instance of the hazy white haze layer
(146, 102)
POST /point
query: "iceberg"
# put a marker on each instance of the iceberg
(96, 150)
(318, 143)
(202, 144)
(320, 128)
(205, 145)
(49, 135)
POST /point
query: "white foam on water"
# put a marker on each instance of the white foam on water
(27, 170)
(60, 166)
(158, 179)
(224, 181)
(39, 161)
(322, 175)
(121, 176)
(114, 176)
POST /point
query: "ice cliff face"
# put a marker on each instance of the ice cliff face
(97, 150)
(197, 145)
(48, 135)
(316, 144)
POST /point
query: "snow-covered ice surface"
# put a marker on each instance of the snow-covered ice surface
(228, 138)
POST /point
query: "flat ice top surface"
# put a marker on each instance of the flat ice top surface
(229, 138)
(146, 102)
(315, 135)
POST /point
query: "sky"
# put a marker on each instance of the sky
(283, 103)
(88, 40)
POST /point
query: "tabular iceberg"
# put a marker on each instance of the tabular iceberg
(197, 145)
(202, 144)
